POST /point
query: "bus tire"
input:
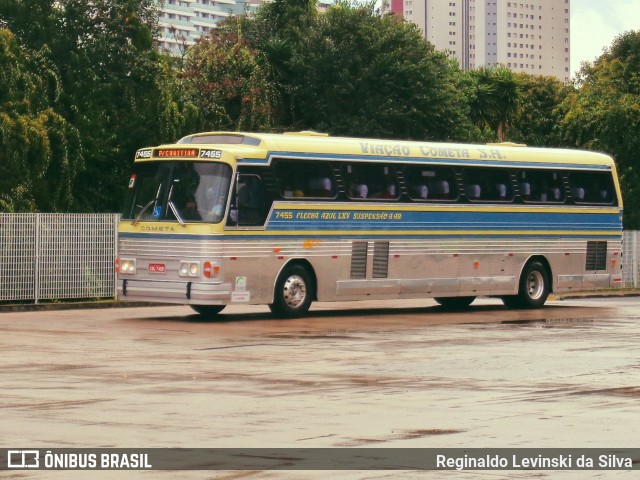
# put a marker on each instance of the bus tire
(533, 289)
(208, 310)
(293, 292)
(455, 303)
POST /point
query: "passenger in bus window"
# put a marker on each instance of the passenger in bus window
(422, 192)
(361, 191)
(525, 191)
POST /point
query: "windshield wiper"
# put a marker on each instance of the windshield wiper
(144, 209)
(173, 208)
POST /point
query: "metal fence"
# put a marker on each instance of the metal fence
(631, 259)
(57, 256)
(63, 256)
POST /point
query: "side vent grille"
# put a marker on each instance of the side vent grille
(359, 260)
(380, 259)
(596, 256)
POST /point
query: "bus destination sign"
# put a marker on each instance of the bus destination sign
(176, 152)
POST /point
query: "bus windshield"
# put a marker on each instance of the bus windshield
(178, 191)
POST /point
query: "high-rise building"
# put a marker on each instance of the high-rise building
(526, 36)
(182, 22)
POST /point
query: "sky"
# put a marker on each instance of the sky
(595, 23)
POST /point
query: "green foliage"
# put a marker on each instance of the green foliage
(604, 115)
(494, 99)
(538, 116)
(287, 19)
(111, 82)
(82, 86)
(228, 84)
(40, 152)
(357, 73)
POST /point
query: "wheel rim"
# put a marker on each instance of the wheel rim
(535, 285)
(295, 291)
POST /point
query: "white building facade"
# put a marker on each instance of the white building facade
(182, 22)
(529, 36)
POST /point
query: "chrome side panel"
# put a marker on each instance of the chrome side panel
(414, 267)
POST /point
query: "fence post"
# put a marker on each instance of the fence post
(116, 221)
(36, 273)
(635, 258)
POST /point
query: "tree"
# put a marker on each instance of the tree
(357, 73)
(40, 152)
(604, 115)
(494, 99)
(538, 115)
(111, 82)
(228, 83)
(275, 31)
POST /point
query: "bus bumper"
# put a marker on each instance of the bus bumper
(174, 292)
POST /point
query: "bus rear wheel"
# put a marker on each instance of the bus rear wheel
(293, 292)
(533, 290)
(207, 310)
(455, 303)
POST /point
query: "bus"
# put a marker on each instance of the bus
(228, 218)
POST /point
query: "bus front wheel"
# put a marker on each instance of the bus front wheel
(533, 290)
(293, 292)
(207, 310)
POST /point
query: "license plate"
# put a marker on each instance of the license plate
(157, 268)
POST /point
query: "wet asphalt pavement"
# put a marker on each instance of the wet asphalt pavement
(349, 375)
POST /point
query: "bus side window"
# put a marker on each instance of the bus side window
(248, 205)
(540, 186)
(488, 184)
(592, 187)
(369, 181)
(430, 183)
(297, 179)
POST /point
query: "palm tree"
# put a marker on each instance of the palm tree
(495, 99)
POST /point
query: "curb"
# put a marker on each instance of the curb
(45, 307)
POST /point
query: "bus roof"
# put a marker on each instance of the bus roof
(261, 147)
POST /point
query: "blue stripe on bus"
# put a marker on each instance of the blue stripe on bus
(327, 220)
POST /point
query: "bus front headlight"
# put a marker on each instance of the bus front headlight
(194, 269)
(127, 266)
(184, 269)
(189, 269)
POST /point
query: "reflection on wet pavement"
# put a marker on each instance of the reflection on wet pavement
(567, 375)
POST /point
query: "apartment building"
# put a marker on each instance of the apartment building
(527, 36)
(182, 22)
